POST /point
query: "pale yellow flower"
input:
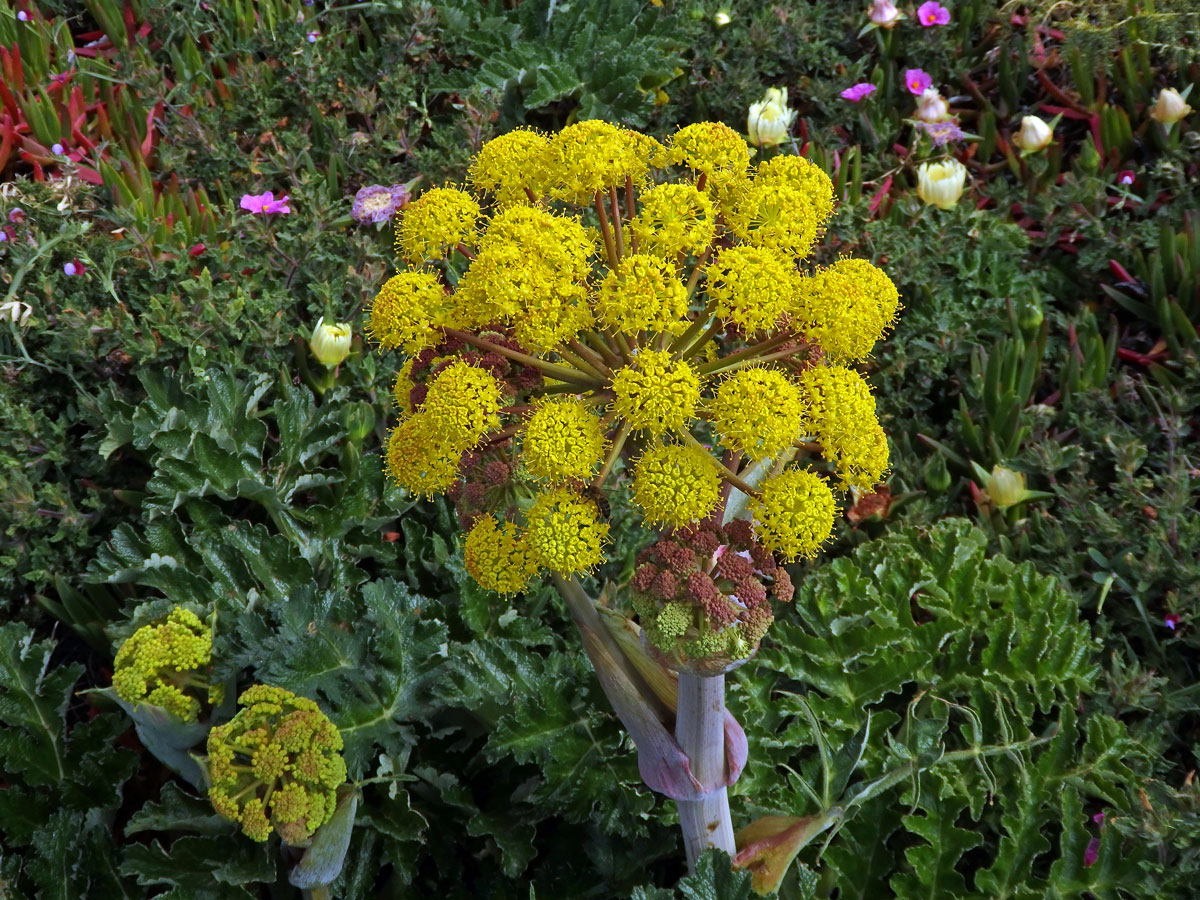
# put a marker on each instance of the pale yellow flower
(941, 184)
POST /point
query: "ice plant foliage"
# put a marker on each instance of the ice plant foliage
(166, 665)
(276, 765)
(618, 307)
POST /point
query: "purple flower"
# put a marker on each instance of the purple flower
(57, 149)
(265, 203)
(23, 16)
(1098, 818)
(1171, 620)
(70, 268)
(16, 215)
(1092, 853)
(858, 92)
(3, 235)
(376, 203)
(933, 13)
(942, 133)
(312, 36)
(917, 81)
(1125, 176)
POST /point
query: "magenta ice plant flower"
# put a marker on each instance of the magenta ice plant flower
(266, 203)
(933, 13)
(917, 81)
(858, 92)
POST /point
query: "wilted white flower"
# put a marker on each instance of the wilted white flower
(1033, 135)
(940, 184)
(1169, 107)
(931, 107)
(770, 119)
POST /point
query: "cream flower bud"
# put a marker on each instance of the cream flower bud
(941, 184)
(884, 13)
(722, 19)
(1033, 135)
(1005, 487)
(1170, 107)
(931, 107)
(770, 119)
(330, 343)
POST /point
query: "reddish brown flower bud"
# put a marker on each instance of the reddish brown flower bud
(784, 589)
(735, 568)
(665, 586)
(739, 533)
(644, 577)
(700, 589)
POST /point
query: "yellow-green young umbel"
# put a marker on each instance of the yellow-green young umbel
(164, 665)
(276, 765)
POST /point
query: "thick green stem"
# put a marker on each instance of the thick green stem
(700, 731)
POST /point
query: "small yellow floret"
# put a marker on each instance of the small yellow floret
(676, 484)
(846, 308)
(590, 157)
(758, 412)
(408, 310)
(674, 218)
(562, 441)
(402, 389)
(564, 532)
(510, 164)
(752, 286)
(840, 414)
(794, 515)
(805, 176)
(776, 215)
(497, 556)
(710, 147)
(462, 404)
(643, 294)
(656, 393)
(419, 462)
(438, 220)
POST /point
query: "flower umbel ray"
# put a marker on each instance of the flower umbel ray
(601, 313)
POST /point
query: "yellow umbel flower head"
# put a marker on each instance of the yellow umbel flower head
(758, 411)
(590, 157)
(840, 414)
(773, 214)
(408, 311)
(710, 147)
(559, 241)
(511, 164)
(462, 405)
(276, 765)
(438, 220)
(562, 442)
(418, 461)
(794, 514)
(497, 556)
(752, 286)
(674, 218)
(676, 484)
(656, 393)
(846, 308)
(564, 532)
(158, 664)
(804, 176)
(644, 293)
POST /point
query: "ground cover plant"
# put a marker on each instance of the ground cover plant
(984, 682)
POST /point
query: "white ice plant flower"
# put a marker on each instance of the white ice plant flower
(1033, 135)
(941, 184)
(770, 119)
(1169, 107)
(330, 344)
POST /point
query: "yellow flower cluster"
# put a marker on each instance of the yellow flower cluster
(164, 664)
(277, 765)
(618, 304)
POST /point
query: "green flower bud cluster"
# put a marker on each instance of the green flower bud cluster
(161, 665)
(276, 765)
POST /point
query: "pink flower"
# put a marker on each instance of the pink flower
(933, 13)
(884, 13)
(1125, 176)
(917, 81)
(265, 203)
(1098, 818)
(860, 91)
(1171, 620)
(312, 36)
(1092, 853)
